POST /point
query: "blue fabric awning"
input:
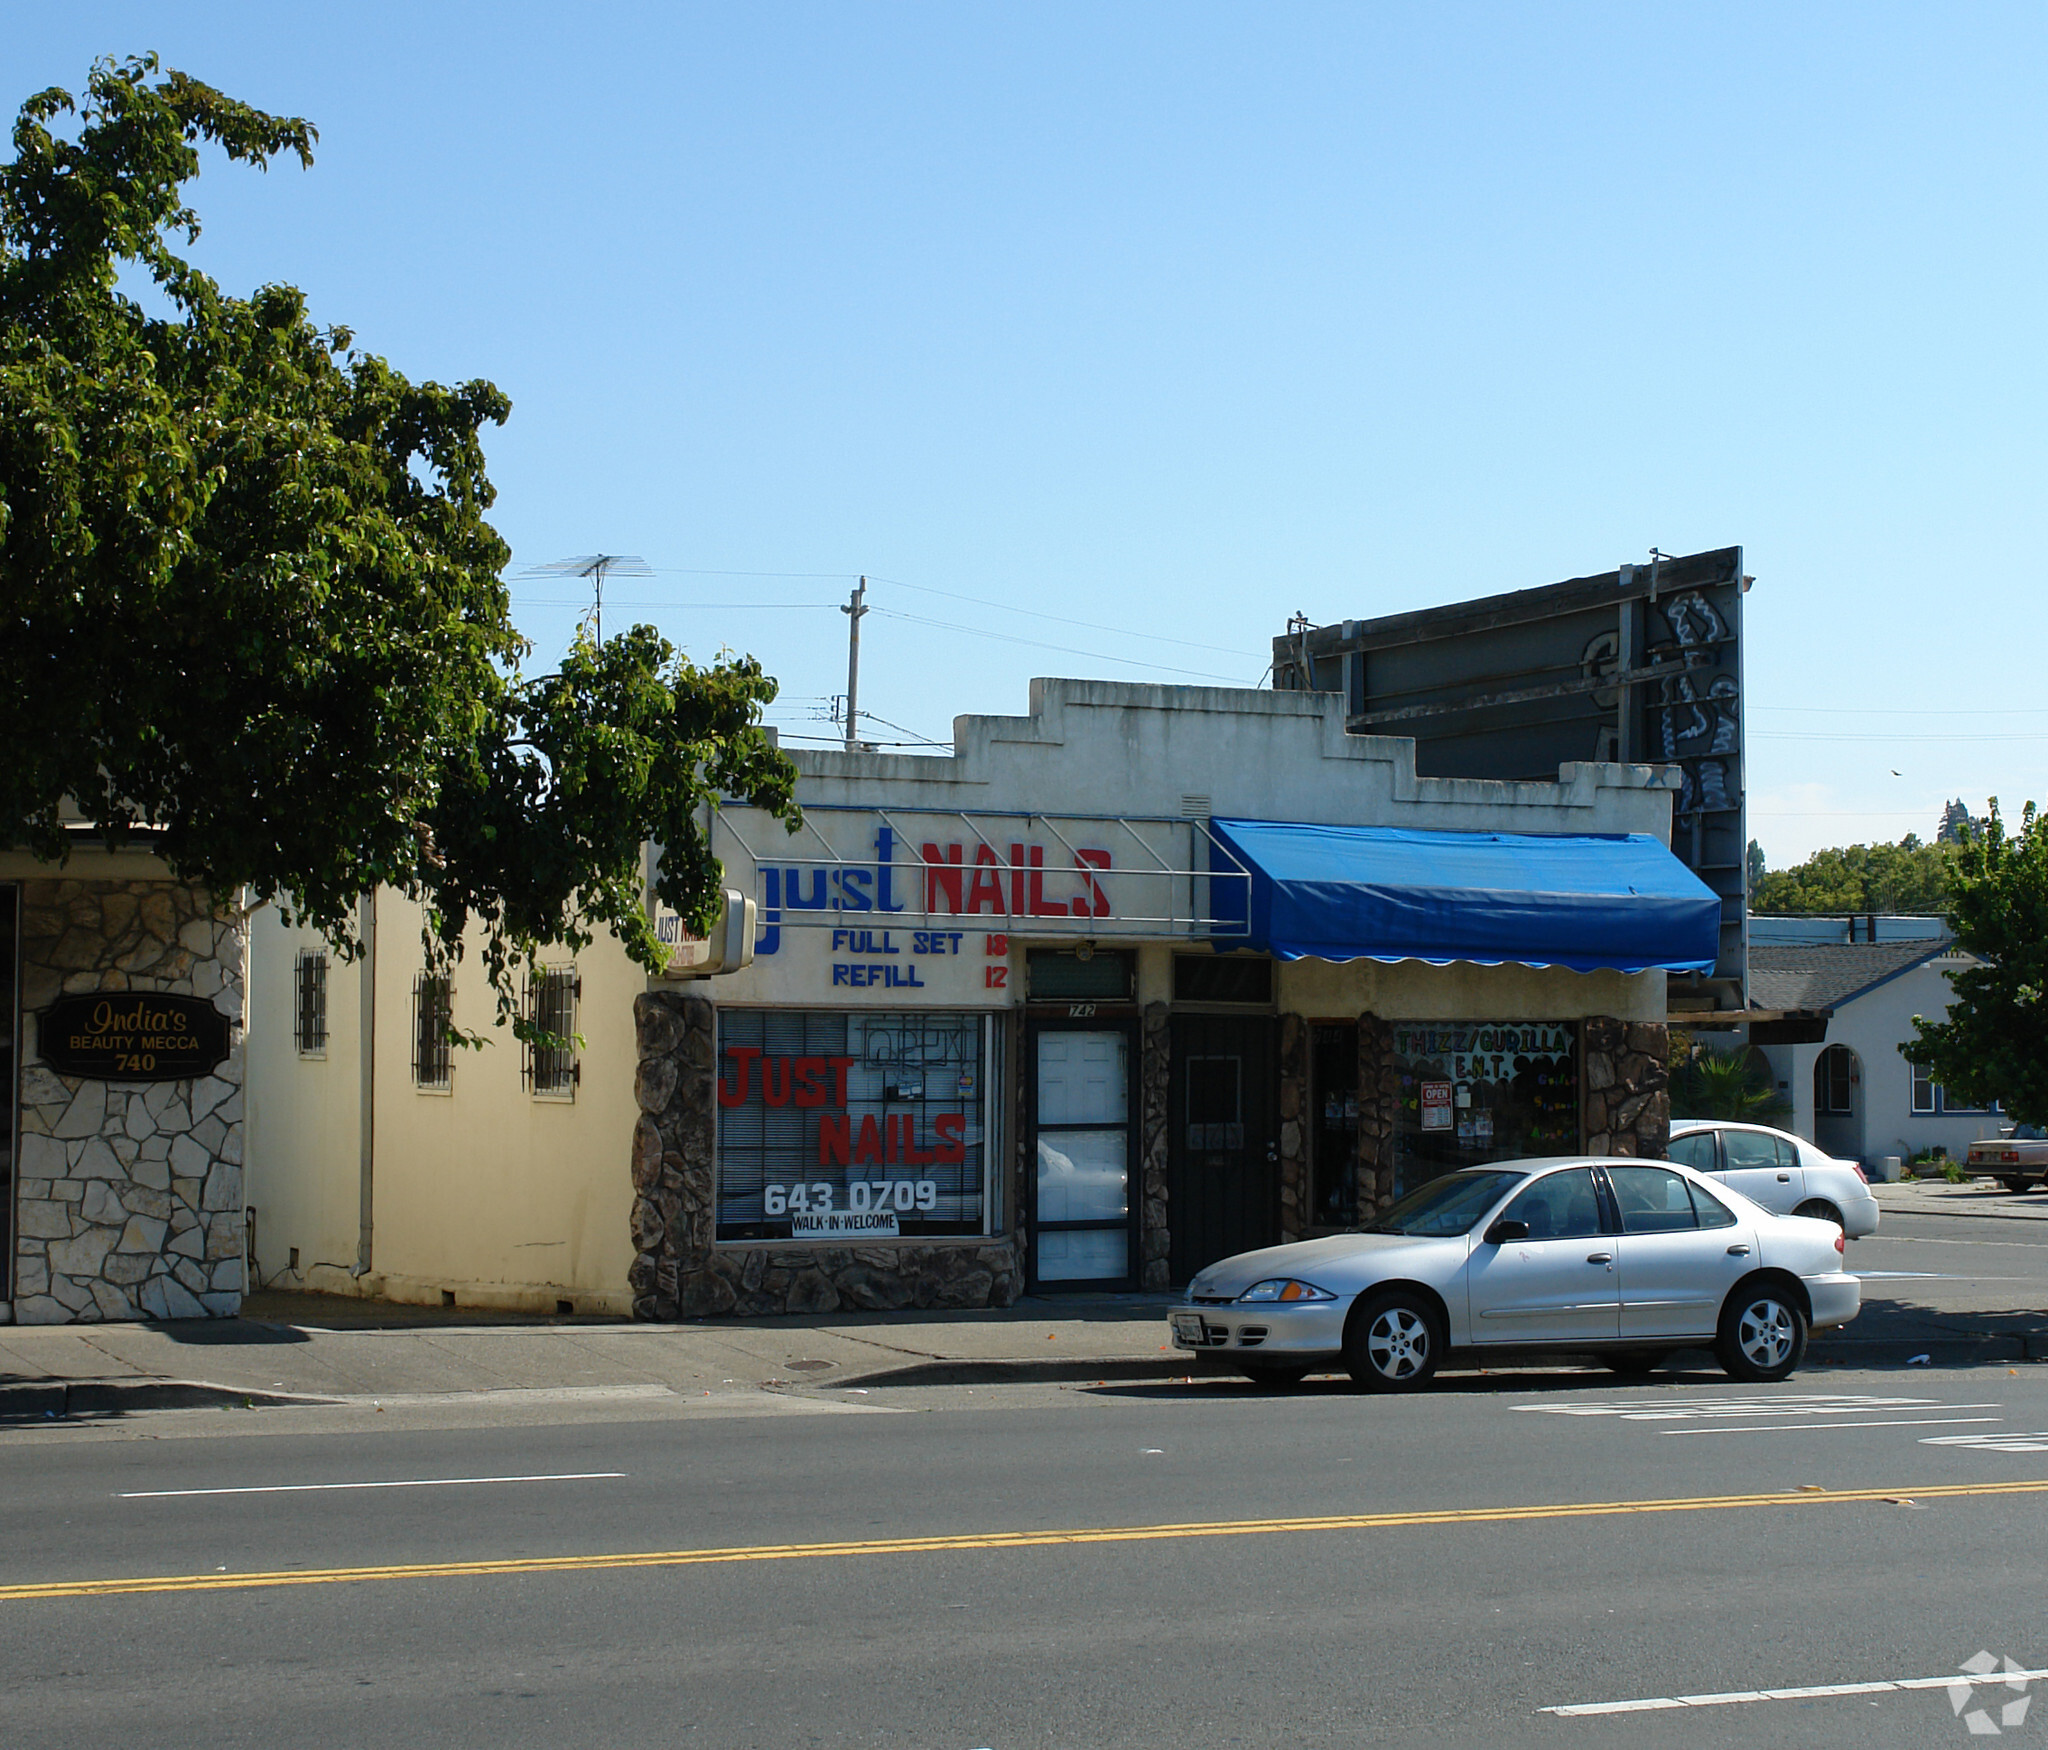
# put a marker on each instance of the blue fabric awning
(1588, 901)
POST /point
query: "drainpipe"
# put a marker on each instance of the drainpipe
(367, 1044)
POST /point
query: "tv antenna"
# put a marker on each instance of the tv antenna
(597, 567)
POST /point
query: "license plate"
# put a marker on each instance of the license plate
(1187, 1328)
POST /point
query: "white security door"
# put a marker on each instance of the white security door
(1083, 1213)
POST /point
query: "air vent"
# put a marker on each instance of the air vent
(1194, 808)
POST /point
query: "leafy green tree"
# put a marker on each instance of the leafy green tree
(1907, 878)
(1735, 1085)
(1993, 1043)
(251, 601)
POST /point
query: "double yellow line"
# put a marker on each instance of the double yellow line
(992, 1540)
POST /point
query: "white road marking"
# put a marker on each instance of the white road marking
(2013, 1442)
(493, 1397)
(1808, 1427)
(1928, 1276)
(574, 1476)
(1930, 1240)
(1662, 1703)
(1736, 1408)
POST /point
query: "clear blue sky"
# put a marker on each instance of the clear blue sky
(1179, 318)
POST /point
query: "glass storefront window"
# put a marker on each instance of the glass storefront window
(1476, 1091)
(840, 1127)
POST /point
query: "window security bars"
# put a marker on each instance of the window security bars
(551, 1000)
(310, 1027)
(433, 1007)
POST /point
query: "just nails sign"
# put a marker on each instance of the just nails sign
(748, 1075)
(946, 879)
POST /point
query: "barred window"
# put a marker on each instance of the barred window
(433, 1006)
(551, 999)
(311, 1007)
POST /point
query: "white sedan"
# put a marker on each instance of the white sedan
(1626, 1259)
(1781, 1171)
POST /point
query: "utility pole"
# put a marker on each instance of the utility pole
(853, 611)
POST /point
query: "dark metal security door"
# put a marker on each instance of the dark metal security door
(1223, 1154)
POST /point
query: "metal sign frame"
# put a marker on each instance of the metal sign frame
(1186, 903)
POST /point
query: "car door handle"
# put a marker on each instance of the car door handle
(1738, 1251)
(1784, 1178)
(1599, 1257)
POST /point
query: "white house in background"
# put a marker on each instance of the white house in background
(1855, 1095)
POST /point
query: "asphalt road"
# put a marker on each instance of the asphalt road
(1855, 1526)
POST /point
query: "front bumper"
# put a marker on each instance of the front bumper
(1836, 1299)
(1299, 1332)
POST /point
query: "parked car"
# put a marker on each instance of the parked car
(1783, 1172)
(1627, 1260)
(2018, 1160)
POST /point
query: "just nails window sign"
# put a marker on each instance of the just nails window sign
(937, 881)
(839, 1127)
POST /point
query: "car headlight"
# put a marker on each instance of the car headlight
(1284, 1288)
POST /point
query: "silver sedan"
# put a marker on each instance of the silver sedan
(1779, 1170)
(1625, 1259)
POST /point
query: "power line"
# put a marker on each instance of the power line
(1890, 711)
(1823, 735)
(1063, 649)
(536, 601)
(1061, 619)
(905, 730)
(925, 589)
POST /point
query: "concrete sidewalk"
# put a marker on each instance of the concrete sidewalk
(314, 1347)
(1984, 1199)
(298, 1348)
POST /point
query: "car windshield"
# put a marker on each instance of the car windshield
(2028, 1133)
(1450, 1205)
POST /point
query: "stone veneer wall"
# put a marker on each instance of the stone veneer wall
(129, 1196)
(1293, 1139)
(1624, 1086)
(1379, 1099)
(677, 1271)
(1155, 1215)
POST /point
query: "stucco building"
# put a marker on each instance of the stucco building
(1145, 976)
(1855, 1094)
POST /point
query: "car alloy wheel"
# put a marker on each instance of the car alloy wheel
(1763, 1336)
(1820, 1211)
(1391, 1343)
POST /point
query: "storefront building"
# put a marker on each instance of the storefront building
(1145, 977)
(1150, 976)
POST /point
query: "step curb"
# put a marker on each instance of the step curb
(60, 1400)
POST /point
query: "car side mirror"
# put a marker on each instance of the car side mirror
(1505, 1232)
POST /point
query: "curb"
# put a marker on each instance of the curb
(1022, 1372)
(1905, 1211)
(1898, 1351)
(66, 1399)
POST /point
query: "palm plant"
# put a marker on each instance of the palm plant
(1732, 1084)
